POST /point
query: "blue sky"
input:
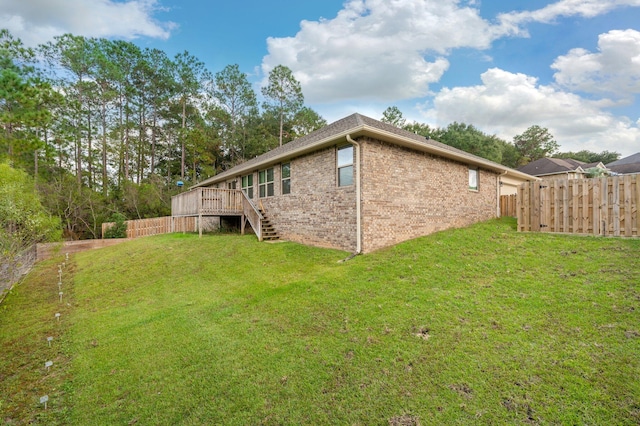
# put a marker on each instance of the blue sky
(572, 66)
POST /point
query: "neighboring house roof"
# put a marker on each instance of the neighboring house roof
(632, 159)
(551, 166)
(626, 169)
(597, 164)
(356, 125)
(573, 162)
(627, 165)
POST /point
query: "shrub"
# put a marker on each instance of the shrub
(119, 228)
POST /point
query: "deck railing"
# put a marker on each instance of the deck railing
(217, 202)
(253, 215)
(207, 201)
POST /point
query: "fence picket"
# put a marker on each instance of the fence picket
(628, 227)
(595, 207)
(158, 225)
(602, 206)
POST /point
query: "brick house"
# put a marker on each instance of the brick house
(358, 185)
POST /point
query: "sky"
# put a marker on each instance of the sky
(572, 66)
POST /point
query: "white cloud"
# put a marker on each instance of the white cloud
(506, 104)
(38, 21)
(614, 69)
(562, 8)
(392, 50)
(378, 49)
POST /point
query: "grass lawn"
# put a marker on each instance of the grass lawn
(481, 325)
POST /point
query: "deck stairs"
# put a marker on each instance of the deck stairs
(268, 231)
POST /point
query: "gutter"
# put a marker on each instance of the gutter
(363, 129)
(454, 154)
(358, 202)
(252, 165)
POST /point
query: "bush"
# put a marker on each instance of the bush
(119, 229)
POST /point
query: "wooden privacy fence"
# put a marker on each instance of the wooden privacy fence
(601, 206)
(508, 205)
(157, 225)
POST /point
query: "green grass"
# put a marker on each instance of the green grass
(481, 325)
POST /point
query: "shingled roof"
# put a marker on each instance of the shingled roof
(356, 125)
(550, 166)
(626, 165)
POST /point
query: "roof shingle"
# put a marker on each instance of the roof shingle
(339, 129)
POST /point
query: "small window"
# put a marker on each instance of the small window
(286, 178)
(265, 182)
(231, 185)
(247, 185)
(473, 179)
(345, 166)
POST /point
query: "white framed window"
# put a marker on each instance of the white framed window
(345, 165)
(247, 185)
(473, 178)
(265, 182)
(285, 173)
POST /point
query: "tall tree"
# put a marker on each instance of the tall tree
(467, 138)
(73, 54)
(284, 95)
(510, 155)
(536, 142)
(105, 76)
(162, 87)
(604, 157)
(126, 55)
(421, 129)
(392, 115)
(306, 121)
(23, 97)
(191, 76)
(236, 101)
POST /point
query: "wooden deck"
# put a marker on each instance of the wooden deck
(218, 202)
(208, 202)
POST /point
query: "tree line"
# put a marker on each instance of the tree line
(104, 126)
(534, 143)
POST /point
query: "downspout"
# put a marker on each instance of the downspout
(498, 192)
(358, 215)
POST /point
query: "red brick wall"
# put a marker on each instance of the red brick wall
(316, 212)
(407, 194)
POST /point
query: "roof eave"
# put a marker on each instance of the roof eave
(365, 130)
(243, 169)
(431, 149)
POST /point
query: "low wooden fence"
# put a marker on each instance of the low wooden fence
(508, 205)
(157, 225)
(601, 206)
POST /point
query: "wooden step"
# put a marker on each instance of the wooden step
(268, 231)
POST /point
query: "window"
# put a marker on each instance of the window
(473, 179)
(247, 185)
(265, 182)
(285, 170)
(231, 185)
(345, 166)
